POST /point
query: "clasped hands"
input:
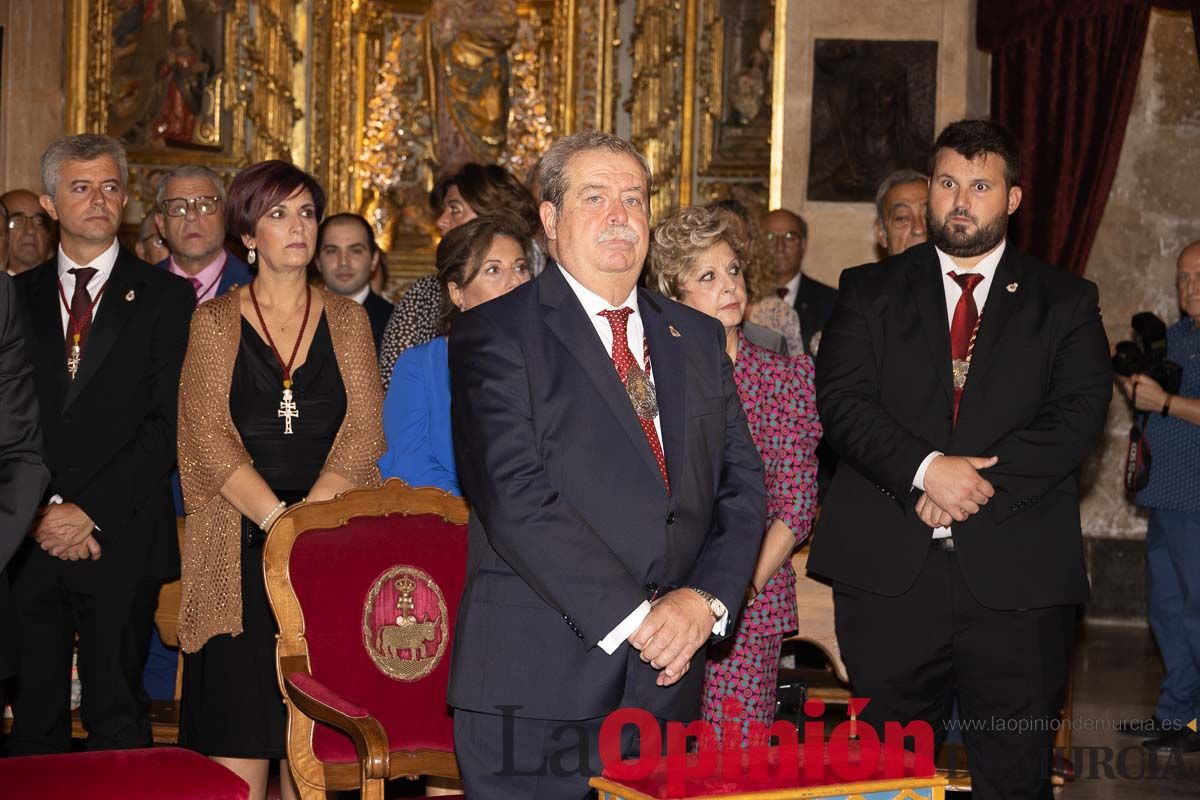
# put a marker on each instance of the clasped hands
(954, 489)
(679, 623)
(64, 530)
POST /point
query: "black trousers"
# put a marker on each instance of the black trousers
(504, 757)
(52, 600)
(909, 654)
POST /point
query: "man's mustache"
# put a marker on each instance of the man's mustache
(623, 233)
(960, 212)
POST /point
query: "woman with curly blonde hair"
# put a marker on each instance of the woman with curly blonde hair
(697, 256)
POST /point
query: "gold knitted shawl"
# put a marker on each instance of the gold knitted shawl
(210, 450)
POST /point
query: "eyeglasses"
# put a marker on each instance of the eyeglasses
(178, 206)
(39, 221)
(790, 236)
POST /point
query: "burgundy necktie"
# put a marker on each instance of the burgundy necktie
(623, 358)
(196, 285)
(81, 306)
(962, 325)
(782, 292)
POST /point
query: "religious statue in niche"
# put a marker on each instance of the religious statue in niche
(166, 73)
(872, 114)
(471, 42)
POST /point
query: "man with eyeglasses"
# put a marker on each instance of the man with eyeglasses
(190, 215)
(787, 236)
(31, 237)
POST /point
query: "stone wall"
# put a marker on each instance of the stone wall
(32, 101)
(1151, 214)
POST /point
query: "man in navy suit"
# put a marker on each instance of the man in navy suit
(616, 496)
(190, 213)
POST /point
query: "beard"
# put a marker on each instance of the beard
(953, 240)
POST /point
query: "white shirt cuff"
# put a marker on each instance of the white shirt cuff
(720, 625)
(625, 628)
(919, 478)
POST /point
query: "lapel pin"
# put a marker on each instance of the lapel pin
(129, 296)
(1012, 287)
(674, 332)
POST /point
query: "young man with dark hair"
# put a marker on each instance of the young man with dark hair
(962, 384)
(347, 258)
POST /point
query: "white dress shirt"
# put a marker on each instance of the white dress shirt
(360, 296)
(593, 304)
(103, 264)
(987, 268)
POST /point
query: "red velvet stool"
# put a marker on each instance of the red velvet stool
(160, 773)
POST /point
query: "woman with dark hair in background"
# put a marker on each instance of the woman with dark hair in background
(302, 421)
(474, 191)
(476, 262)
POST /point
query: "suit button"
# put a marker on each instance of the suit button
(670, 517)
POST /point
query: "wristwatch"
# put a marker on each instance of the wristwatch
(715, 606)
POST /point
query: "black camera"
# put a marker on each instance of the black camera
(1146, 354)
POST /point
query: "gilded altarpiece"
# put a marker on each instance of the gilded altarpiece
(700, 101)
(186, 81)
(415, 88)
(374, 97)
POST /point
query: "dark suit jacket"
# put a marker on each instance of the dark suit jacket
(110, 433)
(814, 303)
(379, 311)
(23, 476)
(570, 519)
(237, 273)
(1037, 398)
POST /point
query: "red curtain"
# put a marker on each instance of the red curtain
(1063, 78)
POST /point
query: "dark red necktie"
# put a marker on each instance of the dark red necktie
(623, 359)
(962, 325)
(81, 307)
(782, 292)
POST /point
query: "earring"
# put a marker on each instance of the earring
(251, 256)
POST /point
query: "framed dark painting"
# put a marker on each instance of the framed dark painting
(873, 110)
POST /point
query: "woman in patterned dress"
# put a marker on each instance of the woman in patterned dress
(698, 257)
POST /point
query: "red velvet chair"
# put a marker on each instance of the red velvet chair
(365, 589)
(161, 773)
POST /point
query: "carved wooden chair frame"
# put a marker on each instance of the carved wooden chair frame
(376, 763)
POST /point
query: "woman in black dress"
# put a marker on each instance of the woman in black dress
(302, 421)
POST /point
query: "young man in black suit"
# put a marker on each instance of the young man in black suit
(108, 335)
(961, 416)
(593, 525)
(347, 258)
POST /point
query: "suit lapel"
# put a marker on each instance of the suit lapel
(925, 280)
(668, 370)
(45, 321)
(565, 317)
(120, 299)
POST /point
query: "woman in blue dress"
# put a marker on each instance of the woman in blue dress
(476, 262)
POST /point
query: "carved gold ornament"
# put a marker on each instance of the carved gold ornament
(405, 623)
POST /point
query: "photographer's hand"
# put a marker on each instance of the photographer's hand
(1143, 391)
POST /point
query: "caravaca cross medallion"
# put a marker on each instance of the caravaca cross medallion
(288, 409)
